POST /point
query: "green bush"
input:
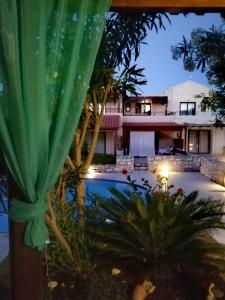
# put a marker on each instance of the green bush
(103, 159)
(57, 260)
(158, 227)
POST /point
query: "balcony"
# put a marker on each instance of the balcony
(200, 117)
(147, 114)
(171, 113)
(196, 113)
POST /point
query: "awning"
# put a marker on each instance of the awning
(200, 125)
(110, 122)
(154, 125)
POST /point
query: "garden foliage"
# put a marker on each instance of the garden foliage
(153, 228)
(158, 227)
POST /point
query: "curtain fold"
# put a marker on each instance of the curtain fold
(142, 143)
(204, 141)
(47, 53)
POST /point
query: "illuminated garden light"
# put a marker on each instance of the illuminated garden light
(91, 172)
(165, 174)
(165, 171)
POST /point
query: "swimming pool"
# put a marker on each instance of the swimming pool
(93, 187)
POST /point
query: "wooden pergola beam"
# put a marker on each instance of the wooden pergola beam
(168, 5)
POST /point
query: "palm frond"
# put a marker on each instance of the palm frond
(159, 228)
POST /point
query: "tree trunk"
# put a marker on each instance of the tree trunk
(26, 264)
(80, 164)
(81, 200)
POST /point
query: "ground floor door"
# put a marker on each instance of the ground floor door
(199, 141)
(142, 143)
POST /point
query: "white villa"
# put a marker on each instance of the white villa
(144, 126)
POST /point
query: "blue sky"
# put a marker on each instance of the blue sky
(160, 69)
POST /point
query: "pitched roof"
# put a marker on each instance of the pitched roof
(110, 122)
(188, 82)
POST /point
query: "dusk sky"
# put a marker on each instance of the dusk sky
(160, 69)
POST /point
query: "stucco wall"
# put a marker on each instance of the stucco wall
(185, 92)
(218, 141)
(114, 105)
(201, 118)
(158, 109)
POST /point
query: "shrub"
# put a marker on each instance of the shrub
(104, 159)
(57, 260)
(158, 228)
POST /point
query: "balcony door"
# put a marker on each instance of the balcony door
(143, 108)
(199, 141)
(142, 143)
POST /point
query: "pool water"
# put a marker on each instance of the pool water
(101, 187)
(93, 187)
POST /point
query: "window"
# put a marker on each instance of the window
(199, 141)
(147, 109)
(143, 108)
(187, 108)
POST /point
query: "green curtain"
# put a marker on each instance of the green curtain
(47, 53)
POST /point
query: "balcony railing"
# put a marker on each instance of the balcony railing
(197, 113)
(145, 114)
(170, 113)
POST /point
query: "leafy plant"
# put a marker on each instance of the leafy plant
(158, 228)
(83, 258)
(104, 159)
(204, 51)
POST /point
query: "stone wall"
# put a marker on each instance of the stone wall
(125, 161)
(185, 163)
(213, 169)
(104, 168)
(122, 162)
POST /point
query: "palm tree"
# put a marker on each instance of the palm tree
(158, 228)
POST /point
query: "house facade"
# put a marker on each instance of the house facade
(148, 125)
